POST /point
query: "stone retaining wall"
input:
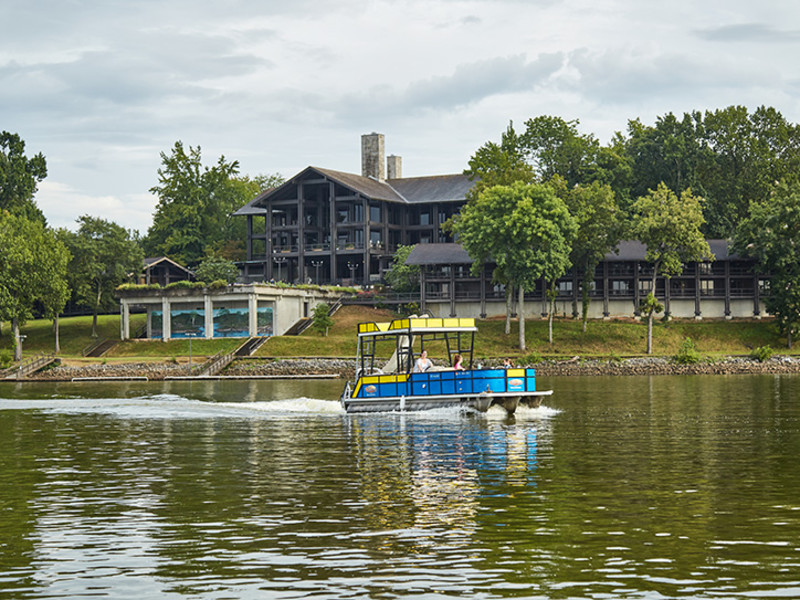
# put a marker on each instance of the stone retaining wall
(345, 367)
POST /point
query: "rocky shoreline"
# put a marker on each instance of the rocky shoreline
(294, 367)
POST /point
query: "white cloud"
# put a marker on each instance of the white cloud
(102, 87)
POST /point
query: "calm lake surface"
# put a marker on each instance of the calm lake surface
(634, 487)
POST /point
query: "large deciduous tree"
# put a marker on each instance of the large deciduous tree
(771, 234)
(193, 216)
(104, 255)
(670, 228)
(32, 271)
(600, 224)
(525, 229)
(19, 177)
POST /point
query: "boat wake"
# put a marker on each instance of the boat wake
(294, 405)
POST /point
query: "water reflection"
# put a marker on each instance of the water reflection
(636, 487)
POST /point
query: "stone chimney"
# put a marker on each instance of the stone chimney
(394, 167)
(372, 156)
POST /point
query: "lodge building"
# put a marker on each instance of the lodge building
(331, 227)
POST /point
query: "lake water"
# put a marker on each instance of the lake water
(635, 487)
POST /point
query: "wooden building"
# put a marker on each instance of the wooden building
(163, 271)
(728, 287)
(326, 226)
(330, 227)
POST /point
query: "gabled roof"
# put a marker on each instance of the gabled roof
(149, 263)
(410, 190)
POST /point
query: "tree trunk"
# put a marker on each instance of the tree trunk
(509, 304)
(789, 338)
(650, 332)
(587, 281)
(96, 308)
(17, 340)
(58, 339)
(552, 309)
(521, 311)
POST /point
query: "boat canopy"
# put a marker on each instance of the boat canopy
(458, 336)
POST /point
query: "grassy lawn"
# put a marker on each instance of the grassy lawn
(622, 337)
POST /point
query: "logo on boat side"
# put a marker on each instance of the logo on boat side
(516, 384)
(370, 390)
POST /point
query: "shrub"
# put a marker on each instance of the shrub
(321, 319)
(533, 358)
(218, 284)
(762, 353)
(185, 285)
(6, 356)
(687, 353)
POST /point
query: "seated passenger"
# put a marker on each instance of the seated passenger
(457, 360)
(423, 363)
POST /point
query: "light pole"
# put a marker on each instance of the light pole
(317, 264)
(279, 260)
(352, 266)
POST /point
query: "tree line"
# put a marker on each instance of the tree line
(551, 197)
(44, 269)
(544, 199)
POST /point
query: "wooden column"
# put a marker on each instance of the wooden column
(605, 289)
(268, 242)
(334, 231)
(697, 312)
(637, 291)
(727, 289)
(301, 235)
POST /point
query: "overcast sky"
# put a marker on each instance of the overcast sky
(101, 87)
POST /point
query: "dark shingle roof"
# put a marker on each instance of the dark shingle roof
(411, 190)
(636, 250)
(438, 254)
(454, 254)
(438, 188)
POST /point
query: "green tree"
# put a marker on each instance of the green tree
(19, 177)
(670, 228)
(403, 278)
(749, 152)
(555, 147)
(104, 255)
(194, 214)
(216, 268)
(32, 272)
(499, 164)
(321, 318)
(600, 228)
(771, 234)
(525, 229)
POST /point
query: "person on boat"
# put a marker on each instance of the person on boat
(457, 360)
(507, 364)
(423, 363)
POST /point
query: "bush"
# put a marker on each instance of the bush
(185, 284)
(687, 353)
(533, 358)
(762, 353)
(6, 356)
(321, 319)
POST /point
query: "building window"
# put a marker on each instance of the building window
(620, 288)
(375, 213)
